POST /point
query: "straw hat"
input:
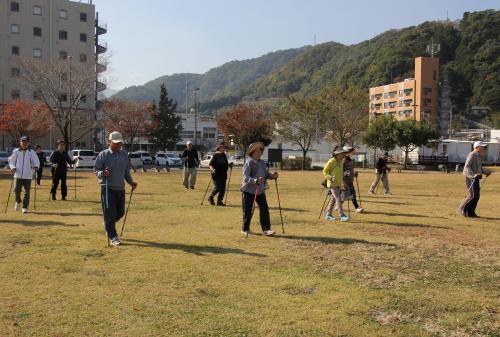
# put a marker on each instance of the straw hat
(254, 146)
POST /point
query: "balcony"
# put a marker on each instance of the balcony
(101, 48)
(100, 68)
(100, 86)
(101, 28)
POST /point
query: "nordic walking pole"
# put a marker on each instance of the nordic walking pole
(10, 190)
(228, 182)
(323, 207)
(75, 180)
(359, 194)
(34, 201)
(279, 204)
(253, 206)
(348, 203)
(126, 212)
(206, 191)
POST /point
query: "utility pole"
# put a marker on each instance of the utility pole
(187, 95)
(196, 115)
(451, 120)
(70, 108)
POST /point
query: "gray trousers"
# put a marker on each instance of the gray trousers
(385, 182)
(189, 176)
(336, 200)
(26, 184)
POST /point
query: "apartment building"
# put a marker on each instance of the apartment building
(48, 30)
(414, 98)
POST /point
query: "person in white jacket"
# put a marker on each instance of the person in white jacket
(22, 162)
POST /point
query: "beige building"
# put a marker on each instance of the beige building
(48, 30)
(415, 98)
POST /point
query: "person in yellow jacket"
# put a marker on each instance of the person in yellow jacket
(334, 173)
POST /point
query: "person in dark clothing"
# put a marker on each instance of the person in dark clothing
(349, 175)
(218, 167)
(191, 162)
(60, 160)
(41, 159)
(381, 172)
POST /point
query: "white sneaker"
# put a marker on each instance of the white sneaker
(371, 192)
(360, 209)
(115, 241)
(17, 206)
(25, 210)
(388, 193)
(269, 232)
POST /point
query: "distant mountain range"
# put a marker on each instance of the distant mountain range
(469, 58)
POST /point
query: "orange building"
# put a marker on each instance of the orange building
(414, 98)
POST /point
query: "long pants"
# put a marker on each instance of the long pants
(219, 188)
(247, 202)
(59, 175)
(189, 177)
(114, 210)
(385, 182)
(26, 184)
(350, 194)
(469, 205)
(335, 200)
(39, 174)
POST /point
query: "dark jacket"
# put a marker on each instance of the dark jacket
(62, 160)
(349, 172)
(220, 163)
(190, 158)
(381, 166)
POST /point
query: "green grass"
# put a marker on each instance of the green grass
(408, 267)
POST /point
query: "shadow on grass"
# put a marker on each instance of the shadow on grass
(404, 214)
(30, 223)
(196, 250)
(329, 240)
(385, 202)
(404, 224)
(284, 209)
(67, 214)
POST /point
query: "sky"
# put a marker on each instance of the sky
(151, 38)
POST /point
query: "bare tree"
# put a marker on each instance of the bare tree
(67, 88)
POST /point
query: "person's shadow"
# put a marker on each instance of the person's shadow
(41, 223)
(192, 249)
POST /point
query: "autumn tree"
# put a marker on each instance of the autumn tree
(24, 118)
(245, 124)
(299, 122)
(129, 118)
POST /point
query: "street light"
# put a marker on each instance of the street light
(196, 116)
(69, 105)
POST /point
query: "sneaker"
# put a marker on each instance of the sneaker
(115, 241)
(330, 217)
(269, 232)
(344, 218)
(17, 206)
(360, 209)
(388, 193)
(371, 192)
(191, 187)
(53, 197)
(25, 210)
(245, 232)
(63, 199)
(211, 201)
(220, 203)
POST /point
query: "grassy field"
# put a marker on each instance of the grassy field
(407, 267)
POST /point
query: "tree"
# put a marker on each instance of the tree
(129, 118)
(24, 118)
(410, 135)
(165, 126)
(246, 124)
(66, 88)
(345, 113)
(299, 122)
(380, 133)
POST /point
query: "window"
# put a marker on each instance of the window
(427, 91)
(15, 50)
(434, 75)
(83, 58)
(83, 98)
(37, 95)
(14, 29)
(408, 102)
(83, 37)
(37, 10)
(15, 93)
(63, 14)
(15, 72)
(37, 53)
(63, 35)
(83, 17)
(408, 92)
(14, 6)
(386, 95)
(63, 97)
(427, 101)
(400, 93)
(37, 31)
(63, 55)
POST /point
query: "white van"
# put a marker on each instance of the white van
(84, 158)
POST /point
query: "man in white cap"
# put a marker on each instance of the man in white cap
(191, 162)
(473, 172)
(112, 168)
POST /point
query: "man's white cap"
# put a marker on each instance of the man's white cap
(115, 137)
(189, 142)
(480, 143)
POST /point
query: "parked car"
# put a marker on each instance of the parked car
(237, 159)
(135, 160)
(46, 155)
(4, 158)
(170, 159)
(84, 158)
(205, 160)
(145, 157)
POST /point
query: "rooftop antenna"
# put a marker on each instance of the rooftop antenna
(187, 87)
(433, 48)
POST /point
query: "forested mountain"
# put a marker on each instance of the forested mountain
(469, 58)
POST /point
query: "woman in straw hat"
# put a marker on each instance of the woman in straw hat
(334, 172)
(255, 176)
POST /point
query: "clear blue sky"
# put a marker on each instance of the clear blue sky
(151, 38)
